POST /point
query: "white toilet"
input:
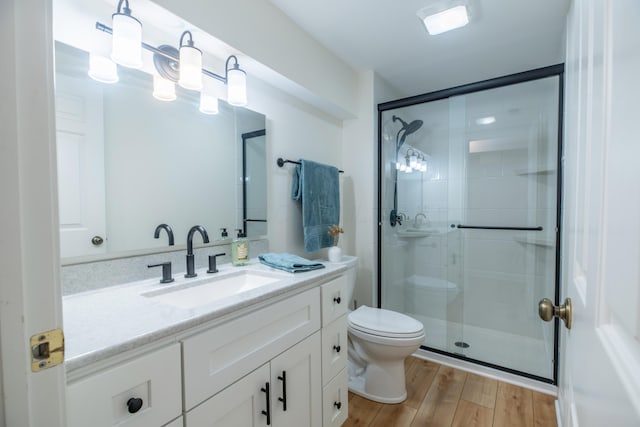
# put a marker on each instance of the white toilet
(379, 341)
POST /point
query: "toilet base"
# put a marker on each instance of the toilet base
(357, 386)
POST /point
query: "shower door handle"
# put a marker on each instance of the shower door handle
(547, 311)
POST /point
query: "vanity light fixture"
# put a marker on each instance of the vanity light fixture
(126, 44)
(444, 15)
(184, 66)
(102, 69)
(190, 64)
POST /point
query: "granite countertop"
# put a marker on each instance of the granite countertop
(106, 322)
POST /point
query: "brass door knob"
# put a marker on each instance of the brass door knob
(547, 311)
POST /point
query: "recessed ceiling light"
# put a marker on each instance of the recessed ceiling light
(485, 120)
(440, 17)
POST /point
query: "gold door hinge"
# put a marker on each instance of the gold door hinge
(47, 350)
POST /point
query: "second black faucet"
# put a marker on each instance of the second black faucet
(190, 258)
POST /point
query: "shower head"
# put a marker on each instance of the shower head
(407, 129)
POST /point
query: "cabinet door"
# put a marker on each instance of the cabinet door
(296, 398)
(103, 399)
(241, 404)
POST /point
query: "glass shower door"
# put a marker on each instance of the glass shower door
(477, 249)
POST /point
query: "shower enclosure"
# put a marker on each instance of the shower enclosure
(469, 190)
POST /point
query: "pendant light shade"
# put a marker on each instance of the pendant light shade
(102, 69)
(236, 84)
(190, 64)
(126, 47)
(163, 89)
(208, 103)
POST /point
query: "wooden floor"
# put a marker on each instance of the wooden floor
(441, 396)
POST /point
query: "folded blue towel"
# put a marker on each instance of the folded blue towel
(317, 187)
(289, 262)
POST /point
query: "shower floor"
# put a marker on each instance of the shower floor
(510, 351)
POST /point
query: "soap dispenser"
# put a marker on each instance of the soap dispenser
(240, 249)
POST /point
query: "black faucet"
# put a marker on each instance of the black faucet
(165, 227)
(205, 239)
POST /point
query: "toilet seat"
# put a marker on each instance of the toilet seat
(384, 323)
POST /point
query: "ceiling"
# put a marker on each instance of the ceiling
(503, 37)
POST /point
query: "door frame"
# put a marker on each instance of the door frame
(30, 295)
(522, 77)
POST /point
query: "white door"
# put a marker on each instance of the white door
(296, 381)
(80, 152)
(30, 297)
(600, 355)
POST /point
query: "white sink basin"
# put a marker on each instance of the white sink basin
(196, 292)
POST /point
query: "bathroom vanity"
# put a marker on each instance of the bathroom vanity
(247, 346)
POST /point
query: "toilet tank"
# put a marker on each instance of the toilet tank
(352, 267)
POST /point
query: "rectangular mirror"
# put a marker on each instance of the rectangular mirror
(128, 162)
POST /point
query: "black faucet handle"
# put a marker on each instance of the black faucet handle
(166, 271)
(212, 262)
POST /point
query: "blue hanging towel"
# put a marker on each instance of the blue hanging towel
(317, 187)
(289, 262)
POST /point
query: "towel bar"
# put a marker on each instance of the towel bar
(281, 163)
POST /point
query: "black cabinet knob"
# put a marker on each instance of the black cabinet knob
(336, 348)
(338, 405)
(337, 300)
(134, 404)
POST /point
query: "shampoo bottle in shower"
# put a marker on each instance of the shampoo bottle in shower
(240, 249)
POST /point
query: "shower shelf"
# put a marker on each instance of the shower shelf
(541, 171)
(546, 243)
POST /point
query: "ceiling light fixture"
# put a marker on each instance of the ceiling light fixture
(126, 43)
(443, 16)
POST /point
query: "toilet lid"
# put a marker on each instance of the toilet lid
(378, 321)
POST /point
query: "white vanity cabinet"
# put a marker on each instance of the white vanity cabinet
(145, 391)
(335, 394)
(279, 362)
